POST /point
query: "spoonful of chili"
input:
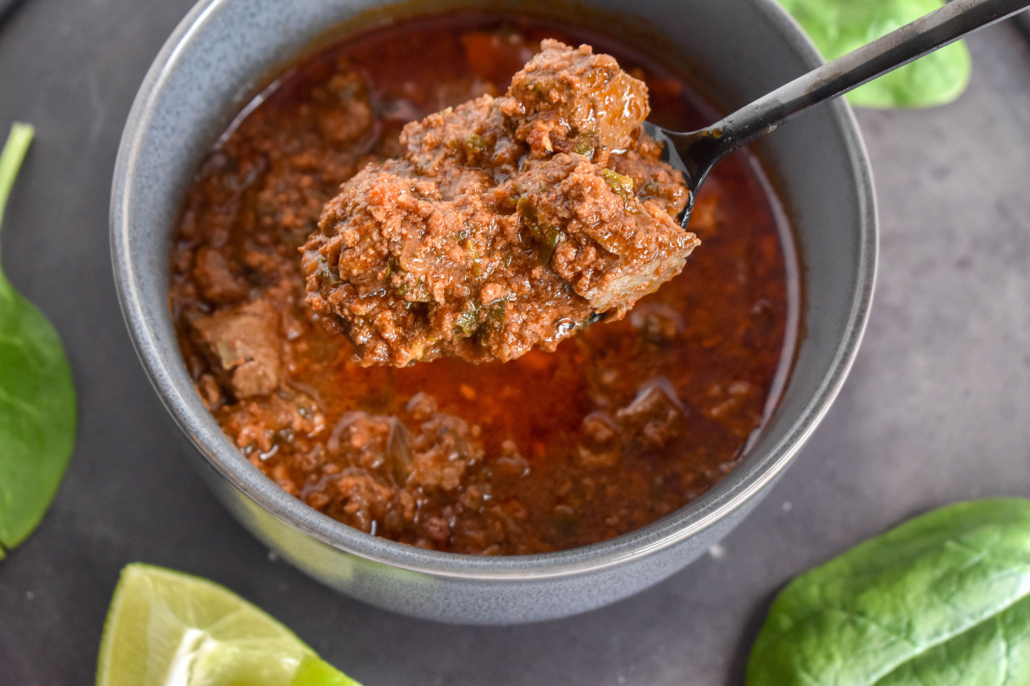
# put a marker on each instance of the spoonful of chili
(513, 222)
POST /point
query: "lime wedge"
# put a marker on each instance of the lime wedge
(316, 672)
(165, 628)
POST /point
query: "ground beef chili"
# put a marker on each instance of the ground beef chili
(504, 224)
(619, 426)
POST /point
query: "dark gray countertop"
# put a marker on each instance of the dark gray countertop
(937, 408)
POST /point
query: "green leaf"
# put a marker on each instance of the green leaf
(838, 27)
(942, 599)
(37, 398)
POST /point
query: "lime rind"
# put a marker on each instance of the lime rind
(316, 672)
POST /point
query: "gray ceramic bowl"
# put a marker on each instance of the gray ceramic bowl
(746, 47)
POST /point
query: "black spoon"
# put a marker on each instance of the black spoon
(696, 152)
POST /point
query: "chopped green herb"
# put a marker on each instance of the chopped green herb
(546, 236)
(549, 238)
(492, 322)
(467, 322)
(413, 293)
(324, 273)
(621, 185)
(477, 264)
(586, 145)
(475, 145)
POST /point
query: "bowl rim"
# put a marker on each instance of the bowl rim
(697, 515)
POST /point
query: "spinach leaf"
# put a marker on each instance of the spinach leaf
(839, 26)
(37, 398)
(942, 599)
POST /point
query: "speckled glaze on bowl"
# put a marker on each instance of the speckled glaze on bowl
(748, 47)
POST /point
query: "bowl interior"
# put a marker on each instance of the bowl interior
(741, 48)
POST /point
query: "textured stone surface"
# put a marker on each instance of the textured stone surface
(935, 410)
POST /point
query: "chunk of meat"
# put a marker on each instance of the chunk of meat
(242, 345)
(469, 142)
(649, 423)
(216, 280)
(442, 451)
(653, 418)
(343, 110)
(575, 101)
(257, 425)
(374, 463)
(498, 230)
(610, 246)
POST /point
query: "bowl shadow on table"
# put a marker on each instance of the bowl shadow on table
(737, 671)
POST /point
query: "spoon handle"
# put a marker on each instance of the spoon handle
(702, 149)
